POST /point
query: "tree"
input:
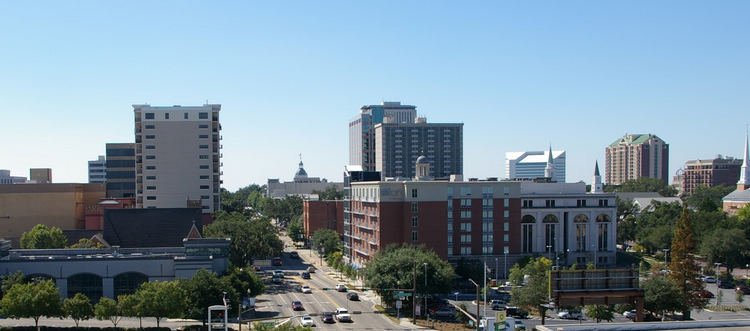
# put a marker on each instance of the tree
(648, 184)
(626, 211)
(740, 297)
(206, 289)
(725, 246)
(328, 239)
(78, 308)
(161, 300)
(87, 243)
(708, 198)
(744, 212)
(233, 202)
(600, 312)
(11, 279)
(330, 193)
(394, 267)
(251, 238)
(533, 296)
(684, 271)
(661, 294)
(108, 309)
(469, 268)
(129, 305)
(654, 225)
(296, 230)
(42, 237)
(245, 282)
(32, 300)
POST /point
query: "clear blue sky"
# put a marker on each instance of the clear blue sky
(291, 74)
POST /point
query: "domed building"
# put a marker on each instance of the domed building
(302, 185)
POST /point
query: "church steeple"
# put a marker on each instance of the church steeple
(549, 170)
(744, 182)
(596, 186)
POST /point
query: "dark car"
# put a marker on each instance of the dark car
(294, 255)
(353, 296)
(706, 294)
(516, 312)
(743, 289)
(725, 284)
(305, 275)
(297, 305)
(327, 317)
(277, 261)
(444, 312)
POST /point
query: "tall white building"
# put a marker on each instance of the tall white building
(178, 156)
(532, 164)
(98, 170)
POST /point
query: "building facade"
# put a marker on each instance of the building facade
(362, 130)
(531, 164)
(98, 170)
(397, 147)
(40, 175)
(302, 185)
(740, 198)
(6, 178)
(178, 156)
(710, 173)
(634, 156)
(120, 170)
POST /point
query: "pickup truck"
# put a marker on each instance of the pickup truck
(342, 315)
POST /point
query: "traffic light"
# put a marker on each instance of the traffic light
(326, 288)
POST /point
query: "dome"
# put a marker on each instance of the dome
(301, 173)
(422, 160)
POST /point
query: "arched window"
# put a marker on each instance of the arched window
(549, 219)
(603, 232)
(88, 284)
(581, 218)
(550, 232)
(603, 218)
(581, 227)
(528, 219)
(128, 283)
(527, 233)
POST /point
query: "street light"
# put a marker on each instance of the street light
(666, 251)
(549, 252)
(477, 285)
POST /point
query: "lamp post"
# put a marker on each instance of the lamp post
(666, 268)
(747, 273)
(549, 252)
(476, 325)
(425, 286)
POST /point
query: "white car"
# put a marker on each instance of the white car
(709, 279)
(306, 289)
(341, 288)
(630, 314)
(568, 315)
(307, 321)
(342, 315)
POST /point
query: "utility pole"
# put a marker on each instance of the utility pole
(476, 325)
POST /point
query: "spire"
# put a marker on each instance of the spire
(549, 170)
(744, 182)
(596, 186)
(596, 168)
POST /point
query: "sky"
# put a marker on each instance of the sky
(520, 75)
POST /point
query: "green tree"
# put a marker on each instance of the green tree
(327, 239)
(161, 300)
(32, 300)
(42, 237)
(87, 243)
(206, 289)
(719, 297)
(600, 313)
(533, 296)
(725, 246)
(469, 268)
(108, 309)
(129, 305)
(78, 308)
(394, 267)
(233, 202)
(661, 294)
(708, 198)
(684, 271)
(251, 238)
(296, 230)
(626, 227)
(648, 184)
(330, 193)
(744, 212)
(655, 223)
(245, 282)
(740, 297)
(11, 279)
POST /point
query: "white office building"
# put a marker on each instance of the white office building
(98, 170)
(532, 164)
(178, 156)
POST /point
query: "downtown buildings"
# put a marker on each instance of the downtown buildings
(636, 155)
(709, 173)
(532, 164)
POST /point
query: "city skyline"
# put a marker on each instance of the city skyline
(289, 77)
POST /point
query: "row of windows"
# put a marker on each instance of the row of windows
(551, 203)
(154, 146)
(202, 115)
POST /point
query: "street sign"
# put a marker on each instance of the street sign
(398, 304)
(400, 295)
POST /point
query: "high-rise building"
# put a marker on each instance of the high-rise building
(178, 156)
(120, 170)
(711, 172)
(98, 170)
(40, 175)
(634, 156)
(6, 178)
(532, 164)
(362, 130)
(399, 145)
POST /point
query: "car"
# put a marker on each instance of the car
(277, 261)
(305, 275)
(297, 305)
(306, 289)
(444, 312)
(706, 294)
(341, 288)
(311, 270)
(276, 279)
(709, 279)
(278, 272)
(353, 296)
(256, 268)
(342, 315)
(568, 315)
(497, 304)
(743, 289)
(515, 311)
(294, 255)
(725, 284)
(630, 314)
(327, 317)
(519, 324)
(306, 321)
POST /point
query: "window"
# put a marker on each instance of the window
(506, 214)
(202, 136)
(450, 192)
(150, 136)
(527, 238)
(203, 157)
(205, 197)
(465, 238)
(488, 190)
(203, 116)
(603, 202)
(487, 250)
(150, 147)
(204, 187)
(166, 116)
(150, 187)
(506, 238)
(150, 177)
(151, 167)
(413, 193)
(149, 116)
(150, 126)
(414, 236)
(150, 197)
(581, 203)
(486, 202)
(466, 214)
(465, 203)
(206, 207)
(414, 207)
(465, 250)
(487, 215)
(150, 157)
(450, 239)
(465, 191)
(581, 237)
(203, 146)
(186, 115)
(203, 167)
(205, 177)
(450, 215)
(603, 242)
(466, 227)
(506, 191)
(202, 126)
(528, 203)
(414, 221)
(506, 203)
(550, 231)
(487, 238)
(550, 203)
(506, 226)
(486, 227)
